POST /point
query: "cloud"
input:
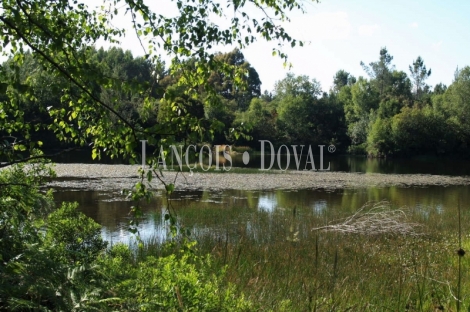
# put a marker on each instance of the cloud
(328, 26)
(414, 25)
(368, 30)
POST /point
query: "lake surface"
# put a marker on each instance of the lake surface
(345, 163)
(207, 212)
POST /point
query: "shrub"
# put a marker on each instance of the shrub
(56, 262)
(74, 237)
(41, 269)
(180, 282)
(421, 131)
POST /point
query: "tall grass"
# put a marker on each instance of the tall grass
(279, 263)
(460, 253)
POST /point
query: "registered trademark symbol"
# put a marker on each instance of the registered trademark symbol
(331, 148)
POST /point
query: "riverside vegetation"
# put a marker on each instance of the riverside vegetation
(281, 264)
(55, 259)
(57, 90)
(283, 261)
(53, 89)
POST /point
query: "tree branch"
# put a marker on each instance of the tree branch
(67, 74)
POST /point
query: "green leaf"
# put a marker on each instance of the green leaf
(170, 188)
(94, 153)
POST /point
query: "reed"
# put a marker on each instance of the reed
(278, 262)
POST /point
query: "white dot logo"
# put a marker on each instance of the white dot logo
(246, 158)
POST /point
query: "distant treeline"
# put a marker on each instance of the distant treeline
(389, 112)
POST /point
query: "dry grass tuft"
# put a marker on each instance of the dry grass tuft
(374, 219)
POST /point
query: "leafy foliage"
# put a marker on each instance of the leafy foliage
(58, 262)
(74, 236)
(171, 283)
(97, 103)
(32, 276)
(380, 71)
(390, 115)
(419, 73)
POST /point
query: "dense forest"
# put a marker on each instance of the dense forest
(387, 112)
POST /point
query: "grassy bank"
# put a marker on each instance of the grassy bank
(278, 262)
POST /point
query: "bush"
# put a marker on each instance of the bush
(40, 268)
(380, 140)
(55, 261)
(23, 264)
(75, 238)
(422, 131)
(180, 282)
(359, 149)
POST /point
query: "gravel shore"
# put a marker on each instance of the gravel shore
(117, 177)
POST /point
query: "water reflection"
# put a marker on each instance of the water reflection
(267, 202)
(212, 213)
(319, 206)
(345, 163)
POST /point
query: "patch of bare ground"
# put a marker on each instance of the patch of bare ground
(115, 177)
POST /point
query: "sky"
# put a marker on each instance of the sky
(342, 33)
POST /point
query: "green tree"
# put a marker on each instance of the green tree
(454, 105)
(380, 72)
(419, 74)
(60, 36)
(421, 131)
(249, 78)
(342, 78)
(380, 141)
(440, 88)
(331, 122)
(295, 98)
(261, 118)
(122, 66)
(305, 114)
(399, 96)
(359, 102)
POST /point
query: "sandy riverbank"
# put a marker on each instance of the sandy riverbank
(117, 177)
